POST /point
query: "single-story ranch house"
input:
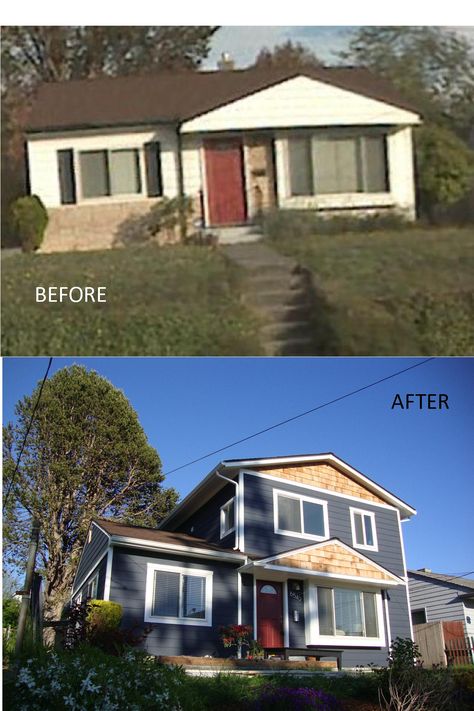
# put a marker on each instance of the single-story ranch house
(236, 142)
(305, 549)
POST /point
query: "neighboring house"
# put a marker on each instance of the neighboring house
(236, 142)
(305, 549)
(436, 597)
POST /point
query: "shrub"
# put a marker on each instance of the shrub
(89, 680)
(159, 225)
(29, 218)
(295, 699)
(11, 610)
(104, 613)
(235, 635)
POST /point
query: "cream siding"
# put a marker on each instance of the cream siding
(300, 102)
(43, 165)
(192, 165)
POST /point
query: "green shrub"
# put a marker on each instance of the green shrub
(29, 218)
(11, 610)
(281, 224)
(104, 614)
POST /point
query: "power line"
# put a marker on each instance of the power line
(10, 484)
(296, 417)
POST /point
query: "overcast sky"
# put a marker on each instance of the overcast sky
(244, 43)
(192, 406)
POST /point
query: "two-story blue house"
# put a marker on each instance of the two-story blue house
(306, 549)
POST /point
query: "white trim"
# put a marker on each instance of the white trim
(318, 489)
(409, 611)
(239, 598)
(300, 498)
(223, 532)
(150, 574)
(94, 582)
(172, 548)
(329, 457)
(302, 572)
(254, 607)
(342, 640)
(113, 197)
(331, 541)
(402, 545)
(241, 513)
(84, 578)
(371, 515)
(387, 616)
(418, 609)
(108, 573)
(286, 619)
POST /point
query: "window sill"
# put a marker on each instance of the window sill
(177, 621)
(227, 533)
(306, 536)
(361, 547)
(339, 201)
(342, 641)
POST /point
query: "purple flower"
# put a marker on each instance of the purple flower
(289, 699)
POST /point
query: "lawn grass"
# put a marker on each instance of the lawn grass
(176, 300)
(393, 292)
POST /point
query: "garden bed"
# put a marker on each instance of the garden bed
(226, 664)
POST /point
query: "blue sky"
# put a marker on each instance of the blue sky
(191, 406)
(244, 43)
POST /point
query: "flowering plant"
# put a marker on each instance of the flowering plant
(300, 699)
(235, 635)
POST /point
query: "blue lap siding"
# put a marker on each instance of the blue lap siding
(92, 553)
(129, 570)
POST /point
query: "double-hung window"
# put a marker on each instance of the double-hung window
(344, 612)
(110, 172)
(227, 518)
(92, 587)
(364, 534)
(338, 162)
(178, 595)
(300, 516)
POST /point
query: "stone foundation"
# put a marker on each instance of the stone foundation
(105, 226)
(261, 176)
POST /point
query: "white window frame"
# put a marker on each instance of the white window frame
(223, 531)
(363, 546)
(94, 582)
(420, 609)
(110, 198)
(150, 577)
(312, 629)
(300, 498)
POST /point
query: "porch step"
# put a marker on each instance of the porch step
(235, 235)
(285, 330)
(290, 346)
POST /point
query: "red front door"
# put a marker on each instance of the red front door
(225, 182)
(269, 613)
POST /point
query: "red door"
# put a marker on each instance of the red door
(225, 182)
(269, 613)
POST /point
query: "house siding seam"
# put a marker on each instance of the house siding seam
(263, 542)
(92, 552)
(129, 570)
(441, 600)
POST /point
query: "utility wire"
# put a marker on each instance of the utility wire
(10, 484)
(296, 417)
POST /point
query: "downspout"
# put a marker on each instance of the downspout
(181, 195)
(237, 527)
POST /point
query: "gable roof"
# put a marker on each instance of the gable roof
(176, 96)
(211, 483)
(332, 559)
(125, 533)
(442, 578)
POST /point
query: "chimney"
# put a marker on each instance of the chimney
(424, 570)
(225, 63)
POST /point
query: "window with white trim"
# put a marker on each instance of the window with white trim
(178, 595)
(344, 612)
(364, 533)
(300, 516)
(91, 590)
(337, 162)
(228, 518)
(110, 172)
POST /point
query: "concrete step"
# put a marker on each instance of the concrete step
(278, 298)
(284, 330)
(290, 347)
(268, 281)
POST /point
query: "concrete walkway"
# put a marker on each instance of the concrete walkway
(279, 291)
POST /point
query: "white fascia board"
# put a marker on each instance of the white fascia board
(332, 542)
(329, 457)
(303, 572)
(175, 548)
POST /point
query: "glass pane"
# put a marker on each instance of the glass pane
(94, 177)
(325, 611)
(229, 516)
(336, 165)
(289, 514)
(124, 172)
(269, 589)
(166, 594)
(374, 164)
(359, 533)
(369, 538)
(348, 613)
(313, 518)
(371, 629)
(301, 174)
(194, 597)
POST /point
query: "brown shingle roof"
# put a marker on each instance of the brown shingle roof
(443, 578)
(178, 96)
(166, 537)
